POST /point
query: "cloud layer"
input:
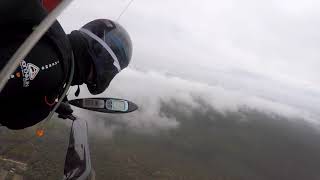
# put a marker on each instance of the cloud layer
(277, 38)
(149, 89)
(260, 54)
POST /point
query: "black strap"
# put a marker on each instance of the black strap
(77, 92)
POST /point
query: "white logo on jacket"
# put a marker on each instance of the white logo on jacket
(29, 72)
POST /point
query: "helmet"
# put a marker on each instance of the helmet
(110, 48)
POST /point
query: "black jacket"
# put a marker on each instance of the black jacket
(30, 92)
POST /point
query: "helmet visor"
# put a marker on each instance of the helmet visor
(120, 43)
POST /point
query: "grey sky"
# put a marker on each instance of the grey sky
(268, 50)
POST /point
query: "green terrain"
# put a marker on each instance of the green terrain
(206, 145)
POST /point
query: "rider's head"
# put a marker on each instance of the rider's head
(102, 48)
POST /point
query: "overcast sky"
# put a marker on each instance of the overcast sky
(260, 53)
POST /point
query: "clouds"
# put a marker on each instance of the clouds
(278, 39)
(150, 89)
(262, 54)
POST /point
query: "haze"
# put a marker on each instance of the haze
(260, 54)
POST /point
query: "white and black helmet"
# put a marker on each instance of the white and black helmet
(110, 48)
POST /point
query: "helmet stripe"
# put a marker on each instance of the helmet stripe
(105, 45)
